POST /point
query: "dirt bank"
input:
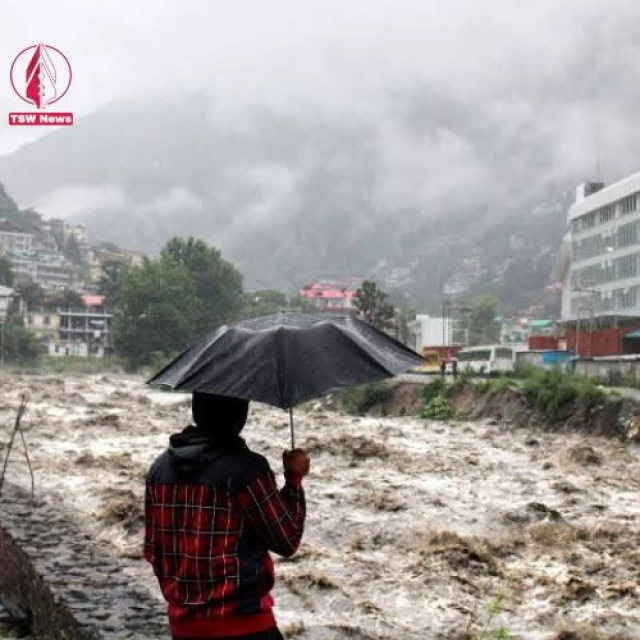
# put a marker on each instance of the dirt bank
(417, 530)
(617, 417)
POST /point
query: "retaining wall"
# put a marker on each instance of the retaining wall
(70, 588)
(610, 371)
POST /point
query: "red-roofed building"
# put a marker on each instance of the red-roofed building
(92, 300)
(329, 296)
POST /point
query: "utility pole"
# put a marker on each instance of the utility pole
(592, 294)
(591, 323)
(443, 328)
(446, 308)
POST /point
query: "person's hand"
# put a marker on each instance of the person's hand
(296, 460)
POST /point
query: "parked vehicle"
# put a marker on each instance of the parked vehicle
(486, 360)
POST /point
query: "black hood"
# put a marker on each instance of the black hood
(194, 449)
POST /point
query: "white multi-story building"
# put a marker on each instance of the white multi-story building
(15, 241)
(427, 331)
(52, 271)
(601, 270)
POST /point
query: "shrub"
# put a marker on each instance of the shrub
(501, 384)
(358, 400)
(439, 408)
(21, 346)
(160, 360)
(434, 389)
(554, 394)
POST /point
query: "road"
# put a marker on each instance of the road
(418, 378)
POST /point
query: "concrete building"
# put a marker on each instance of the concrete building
(427, 331)
(328, 296)
(45, 323)
(600, 267)
(603, 277)
(16, 241)
(52, 271)
(97, 257)
(85, 330)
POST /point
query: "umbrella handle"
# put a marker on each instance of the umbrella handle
(293, 437)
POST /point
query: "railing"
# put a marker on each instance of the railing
(83, 312)
(90, 330)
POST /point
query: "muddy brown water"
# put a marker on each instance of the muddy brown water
(416, 530)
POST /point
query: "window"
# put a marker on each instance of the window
(46, 321)
(29, 320)
(608, 271)
(627, 298)
(588, 221)
(629, 204)
(476, 354)
(627, 267)
(627, 234)
(606, 214)
(501, 352)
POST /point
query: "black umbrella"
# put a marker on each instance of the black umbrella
(287, 358)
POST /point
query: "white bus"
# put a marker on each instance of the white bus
(486, 359)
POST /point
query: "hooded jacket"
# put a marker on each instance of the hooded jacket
(213, 512)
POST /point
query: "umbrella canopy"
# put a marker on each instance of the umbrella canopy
(287, 358)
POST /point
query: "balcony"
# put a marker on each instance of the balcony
(103, 331)
(84, 313)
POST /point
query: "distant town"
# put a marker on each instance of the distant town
(596, 274)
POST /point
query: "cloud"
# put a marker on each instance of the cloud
(442, 107)
(71, 201)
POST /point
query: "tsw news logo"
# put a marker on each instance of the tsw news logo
(41, 76)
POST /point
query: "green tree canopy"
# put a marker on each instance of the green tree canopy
(113, 275)
(6, 272)
(264, 302)
(158, 312)
(66, 299)
(20, 344)
(31, 294)
(480, 321)
(218, 283)
(373, 307)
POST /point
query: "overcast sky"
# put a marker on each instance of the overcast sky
(330, 54)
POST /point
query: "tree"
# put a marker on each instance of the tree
(480, 321)
(20, 344)
(31, 294)
(218, 283)
(373, 307)
(157, 313)
(113, 275)
(264, 302)
(6, 272)
(300, 303)
(66, 299)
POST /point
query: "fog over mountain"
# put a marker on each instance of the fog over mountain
(320, 140)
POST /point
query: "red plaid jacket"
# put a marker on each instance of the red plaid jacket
(211, 519)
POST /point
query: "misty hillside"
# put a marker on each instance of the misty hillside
(292, 197)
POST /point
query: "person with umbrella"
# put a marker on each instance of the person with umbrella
(213, 510)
